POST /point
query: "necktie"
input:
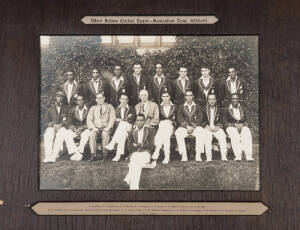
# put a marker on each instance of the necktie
(143, 108)
(100, 109)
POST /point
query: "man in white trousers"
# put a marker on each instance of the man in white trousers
(140, 146)
(190, 119)
(235, 122)
(125, 118)
(56, 118)
(213, 127)
(167, 117)
(76, 123)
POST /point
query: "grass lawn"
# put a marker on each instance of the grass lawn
(191, 175)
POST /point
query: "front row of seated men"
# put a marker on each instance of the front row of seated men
(189, 119)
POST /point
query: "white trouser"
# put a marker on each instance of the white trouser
(120, 136)
(221, 137)
(181, 133)
(241, 142)
(68, 136)
(137, 161)
(163, 137)
(48, 141)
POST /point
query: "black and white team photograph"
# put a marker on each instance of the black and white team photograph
(149, 113)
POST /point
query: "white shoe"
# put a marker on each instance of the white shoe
(77, 156)
(166, 160)
(116, 158)
(238, 159)
(126, 179)
(110, 146)
(198, 157)
(250, 159)
(151, 165)
(183, 158)
(208, 160)
(224, 159)
(155, 155)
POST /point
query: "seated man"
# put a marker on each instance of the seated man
(149, 109)
(125, 119)
(236, 127)
(166, 126)
(140, 146)
(56, 118)
(190, 119)
(100, 120)
(213, 126)
(76, 122)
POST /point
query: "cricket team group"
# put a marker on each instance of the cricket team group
(140, 115)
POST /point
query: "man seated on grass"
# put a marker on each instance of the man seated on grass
(190, 119)
(124, 121)
(140, 146)
(100, 120)
(236, 126)
(213, 127)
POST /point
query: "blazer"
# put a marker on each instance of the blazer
(107, 118)
(74, 94)
(73, 118)
(148, 141)
(178, 92)
(134, 89)
(184, 117)
(230, 120)
(171, 116)
(129, 114)
(226, 91)
(151, 113)
(218, 119)
(155, 89)
(115, 93)
(199, 88)
(89, 92)
(53, 117)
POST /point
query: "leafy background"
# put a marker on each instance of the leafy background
(218, 53)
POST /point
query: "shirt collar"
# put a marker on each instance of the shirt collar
(98, 79)
(162, 76)
(127, 106)
(142, 129)
(170, 103)
(186, 104)
(185, 79)
(137, 75)
(209, 77)
(84, 108)
(74, 82)
(231, 107)
(228, 79)
(115, 79)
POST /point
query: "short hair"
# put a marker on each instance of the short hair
(211, 94)
(102, 93)
(137, 63)
(182, 68)
(95, 69)
(205, 67)
(117, 65)
(80, 95)
(140, 115)
(232, 68)
(158, 63)
(188, 90)
(143, 90)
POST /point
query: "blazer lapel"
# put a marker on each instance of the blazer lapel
(74, 87)
(77, 114)
(85, 112)
(156, 82)
(135, 135)
(100, 85)
(113, 84)
(66, 88)
(180, 85)
(186, 108)
(228, 85)
(92, 87)
(145, 135)
(147, 109)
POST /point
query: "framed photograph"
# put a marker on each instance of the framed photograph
(149, 115)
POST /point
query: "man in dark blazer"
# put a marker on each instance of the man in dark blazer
(70, 89)
(125, 118)
(136, 82)
(232, 85)
(166, 126)
(203, 86)
(235, 122)
(213, 127)
(55, 119)
(157, 83)
(117, 83)
(190, 120)
(140, 146)
(179, 86)
(92, 87)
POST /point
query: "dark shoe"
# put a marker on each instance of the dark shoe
(93, 158)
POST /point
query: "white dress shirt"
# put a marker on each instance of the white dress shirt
(96, 84)
(205, 83)
(189, 106)
(70, 88)
(117, 82)
(236, 112)
(140, 135)
(58, 109)
(137, 78)
(212, 117)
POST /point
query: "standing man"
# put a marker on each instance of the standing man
(56, 118)
(190, 119)
(124, 122)
(179, 86)
(156, 84)
(91, 88)
(232, 85)
(213, 127)
(167, 112)
(140, 146)
(149, 109)
(136, 83)
(203, 86)
(236, 126)
(100, 120)
(117, 83)
(76, 128)
(70, 89)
